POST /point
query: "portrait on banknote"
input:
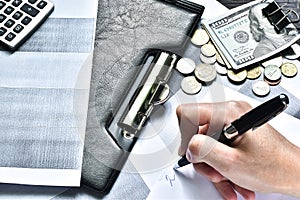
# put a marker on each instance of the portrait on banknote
(245, 36)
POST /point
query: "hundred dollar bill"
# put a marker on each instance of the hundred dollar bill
(244, 36)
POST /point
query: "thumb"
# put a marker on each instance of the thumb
(203, 148)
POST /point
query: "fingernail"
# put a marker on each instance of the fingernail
(180, 152)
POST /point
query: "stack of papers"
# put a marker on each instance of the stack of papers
(44, 91)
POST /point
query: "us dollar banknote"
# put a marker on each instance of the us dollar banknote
(245, 36)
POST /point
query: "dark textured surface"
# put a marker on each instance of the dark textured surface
(125, 29)
(233, 3)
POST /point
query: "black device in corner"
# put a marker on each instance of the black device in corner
(108, 146)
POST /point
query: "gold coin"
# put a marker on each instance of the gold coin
(200, 37)
(289, 70)
(254, 73)
(237, 77)
(208, 50)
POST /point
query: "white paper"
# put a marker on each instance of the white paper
(44, 91)
(187, 184)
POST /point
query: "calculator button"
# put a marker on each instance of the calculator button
(32, 1)
(9, 10)
(9, 23)
(18, 28)
(2, 18)
(10, 37)
(16, 3)
(29, 10)
(2, 31)
(26, 20)
(41, 4)
(17, 15)
(2, 4)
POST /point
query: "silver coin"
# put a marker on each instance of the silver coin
(272, 74)
(220, 59)
(222, 70)
(208, 60)
(185, 66)
(208, 50)
(293, 52)
(205, 72)
(190, 85)
(200, 37)
(261, 88)
(278, 60)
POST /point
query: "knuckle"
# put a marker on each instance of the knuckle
(195, 145)
(179, 110)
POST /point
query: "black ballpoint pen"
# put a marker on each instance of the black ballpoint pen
(251, 120)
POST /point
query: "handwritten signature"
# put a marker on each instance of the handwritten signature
(170, 180)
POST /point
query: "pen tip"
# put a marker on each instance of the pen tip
(176, 166)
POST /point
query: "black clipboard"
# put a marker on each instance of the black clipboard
(125, 32)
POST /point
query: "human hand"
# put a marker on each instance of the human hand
(261, 160)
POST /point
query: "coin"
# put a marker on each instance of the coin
(205, 72)
(261, 88)
(185, 66)
(220, 69)
(200, 37)
(237, 77)
(220, 59)
(272, 74)
(254, 72)
(208, 60)
(208, 50)
(273, 61)
(289, 70)
(190, 85)
(293, 52)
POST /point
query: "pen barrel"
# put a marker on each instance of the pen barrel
(261, 114)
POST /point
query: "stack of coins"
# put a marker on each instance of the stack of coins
(208, 53)
(272, 75)
(220, 65)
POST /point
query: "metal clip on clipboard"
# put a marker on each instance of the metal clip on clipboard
(149, 87)
(277, 17)
(148, 90)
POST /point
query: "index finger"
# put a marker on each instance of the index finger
(210, 116)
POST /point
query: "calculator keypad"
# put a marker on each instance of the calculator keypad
(20, 18)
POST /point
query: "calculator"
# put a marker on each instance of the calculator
(20, 18)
